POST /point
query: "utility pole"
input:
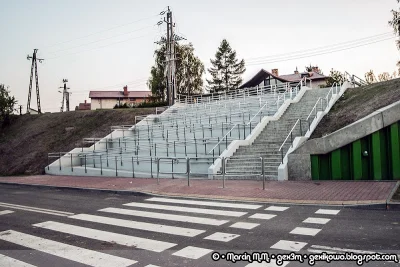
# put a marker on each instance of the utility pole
(170, 57)
(34, 66)
(65, 96)
(20, 110)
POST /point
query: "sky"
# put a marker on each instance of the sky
(104, 44)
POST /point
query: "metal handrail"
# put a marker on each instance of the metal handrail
(225, 136)
(257, 113)
(287, 137)
(315, 106)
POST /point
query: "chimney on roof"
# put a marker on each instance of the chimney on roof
(85, 101)
(275, 72)
(296, 71)
(315, 69)
(125, 90)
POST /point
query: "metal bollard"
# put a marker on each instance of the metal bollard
(133, 168)
(85, 165)
(72, 168)
(116, 166)
(59, 160)
(263, 172)
(188, 170)
(101, 166)
(158, 171)
(223, 172)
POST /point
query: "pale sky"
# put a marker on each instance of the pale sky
(104, 44)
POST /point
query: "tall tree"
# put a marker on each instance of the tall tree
(189, 71)
(395, 24)
(226, 69)
(7, 103)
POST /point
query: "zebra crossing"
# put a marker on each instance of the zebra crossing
(176, 229)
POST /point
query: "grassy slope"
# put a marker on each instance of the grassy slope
(24, 145)
(357, 103)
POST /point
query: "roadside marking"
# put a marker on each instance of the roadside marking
(223, 237)
(277, 208)
(4, 212)
(289, 245)
(244, 225)
(316, 220)
(305, 231)
(163, 216)
(192, 252)
(272, 263)
(7, 261)
(328, 212)
(206, 203)
(262, 216)
(186, 209)
(73, 253)
(152, 227)
(34, 209)
(125, 240)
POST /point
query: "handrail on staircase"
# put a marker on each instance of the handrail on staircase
(290, 134)
(222, 139)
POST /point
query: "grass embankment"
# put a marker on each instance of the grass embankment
(25, 143)
(357, 103)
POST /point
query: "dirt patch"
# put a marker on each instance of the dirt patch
(25, 143)
(357, 103)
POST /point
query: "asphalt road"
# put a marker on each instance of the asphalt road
(47, 227)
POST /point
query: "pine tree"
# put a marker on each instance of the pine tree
(227, 70)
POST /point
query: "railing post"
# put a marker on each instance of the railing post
(291, 139)
(263, 172)
(85, 164)
(59, 160)
(223, 172)
(151, 167)
(72, 168)
(133, 168)
(219, 148)
(158, 171)
(282, 155)
(116, 166)
(101, 166)
(172, 168)
(301, 129)
(48, 162)
(188, 170)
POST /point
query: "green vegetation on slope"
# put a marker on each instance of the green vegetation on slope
(25, 143)
(357, 103)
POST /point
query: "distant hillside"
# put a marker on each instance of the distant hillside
(24, 144)
(357, 103)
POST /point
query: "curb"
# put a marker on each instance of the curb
(374, 206)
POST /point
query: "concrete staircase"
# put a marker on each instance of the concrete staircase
(246, 163)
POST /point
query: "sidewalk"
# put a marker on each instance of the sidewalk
(299, 192)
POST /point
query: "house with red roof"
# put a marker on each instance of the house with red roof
(266, 78)
(108, 99)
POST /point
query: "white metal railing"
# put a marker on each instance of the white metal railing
(290, 134)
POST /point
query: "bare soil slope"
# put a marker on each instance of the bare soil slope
(25, 143)
(357, 103)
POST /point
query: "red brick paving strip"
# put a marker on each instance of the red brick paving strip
(327, 192)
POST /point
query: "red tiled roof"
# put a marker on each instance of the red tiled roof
(84, 106)
(297, 77)
(118, 94)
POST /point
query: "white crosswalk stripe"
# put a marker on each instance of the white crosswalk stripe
(223, 237)
(125, 240)
(289, 245)
(163, 216)
(73, 253)
(205, 203)
(192, 252)
(186, 209)
(327, 212)
(152, 227)
(305, 231)
(316, 220)
(4, 212)
(6, 261)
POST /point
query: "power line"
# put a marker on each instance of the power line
(102, 46)
(366, 39)
(102, 39)
(314, 54)
(109, 29)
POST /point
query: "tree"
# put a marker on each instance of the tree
(227, 70)
(189, 71)
(370, 77)
(335, 77)
(7, 103)
(395, 24)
